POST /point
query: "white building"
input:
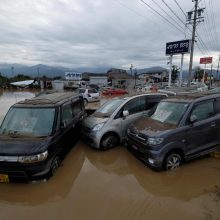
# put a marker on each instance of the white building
(98, 80)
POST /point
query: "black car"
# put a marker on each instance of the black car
(179, 129)
(35, 136)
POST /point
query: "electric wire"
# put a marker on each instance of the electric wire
(163, 17)
(180, 8)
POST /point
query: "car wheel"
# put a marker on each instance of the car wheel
(54, 165)
(85, 102)
(109, 141)
(172, 161)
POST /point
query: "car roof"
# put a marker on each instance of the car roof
(48, 100)
(193, 97)
(145, 94)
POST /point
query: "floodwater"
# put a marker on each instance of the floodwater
(113, 185)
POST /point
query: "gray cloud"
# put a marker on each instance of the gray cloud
(87, 33)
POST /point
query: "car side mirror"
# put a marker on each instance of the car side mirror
(125, 113)
(193, 118)
(62, 125)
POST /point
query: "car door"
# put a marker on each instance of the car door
(63, 127)
(201, 134)
(136, 108)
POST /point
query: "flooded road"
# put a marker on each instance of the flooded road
(114, 185)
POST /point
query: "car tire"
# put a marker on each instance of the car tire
(55, 165)
(85, 102)
(172, 161)
(109, 141)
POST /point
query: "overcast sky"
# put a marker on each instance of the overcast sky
(97, 33)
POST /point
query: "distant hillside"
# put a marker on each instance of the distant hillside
(10, 70)
(151, 70)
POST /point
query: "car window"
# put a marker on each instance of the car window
(203, 110)
(108, 108)
(169, 112)
(135, 105)
(67, 114)
(92, 91)
(151, 102)
(217, 105)
(29, 121)
(77, 108)
(81, 90)
(132, 106)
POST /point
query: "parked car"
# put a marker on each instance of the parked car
(106, 127)
(94, 86)
(180, 129)
(114, 91)
(35, 136)
(89, 95)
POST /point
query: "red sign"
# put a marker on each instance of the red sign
(205, 60)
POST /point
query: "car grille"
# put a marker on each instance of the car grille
(137, 137)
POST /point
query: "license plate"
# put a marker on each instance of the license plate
(135, 147)
(4, 178)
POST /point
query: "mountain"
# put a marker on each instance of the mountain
(154, 69)
(40, 70)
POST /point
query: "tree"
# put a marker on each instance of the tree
(198, 73)
(175, 72)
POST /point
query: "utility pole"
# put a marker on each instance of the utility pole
(12, 71)
(196, 18)
(218, 68)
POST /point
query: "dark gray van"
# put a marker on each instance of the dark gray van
(179, 129)
(34, 135)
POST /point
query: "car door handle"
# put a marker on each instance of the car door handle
(213, 124)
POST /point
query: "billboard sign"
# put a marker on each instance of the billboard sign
(178, 47)
(205, 60)
(73, 76)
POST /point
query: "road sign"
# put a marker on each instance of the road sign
(178, 47)
(205, 60)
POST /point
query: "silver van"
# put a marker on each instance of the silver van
(106, 127)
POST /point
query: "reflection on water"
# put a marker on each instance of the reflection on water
(114, 185)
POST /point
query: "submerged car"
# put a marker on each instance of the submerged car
(106, 127)
(179, 129)
(35, 136)
(114, 91)
(89, 95)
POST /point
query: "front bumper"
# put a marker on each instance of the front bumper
(149, 157)
(18, 172)
(91, 138)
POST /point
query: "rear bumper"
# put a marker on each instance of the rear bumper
(92, 99)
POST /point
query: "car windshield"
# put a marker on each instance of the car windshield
(108, 108)
(81, 91)
(169, 112)
(28, 122)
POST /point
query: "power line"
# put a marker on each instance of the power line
(180, 8)
(209, 25)
(166, 13)
(173, 12)
(213, 22)
(162, 16)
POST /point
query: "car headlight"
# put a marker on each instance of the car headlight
(33, 158)
(155, 141)
(98, 127)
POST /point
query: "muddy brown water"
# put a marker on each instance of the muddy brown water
(113, 185)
